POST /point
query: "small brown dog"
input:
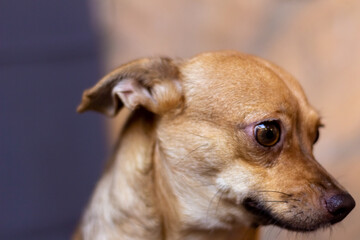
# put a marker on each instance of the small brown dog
(216, 146)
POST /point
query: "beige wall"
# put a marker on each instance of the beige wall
(316, 41)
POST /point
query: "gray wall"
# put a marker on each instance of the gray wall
(50, 157)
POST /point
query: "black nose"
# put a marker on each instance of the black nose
(339, 205)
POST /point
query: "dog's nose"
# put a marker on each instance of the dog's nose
(339, 205)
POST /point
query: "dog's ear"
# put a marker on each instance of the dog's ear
(153, 83)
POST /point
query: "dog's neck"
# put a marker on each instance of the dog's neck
(139, 202)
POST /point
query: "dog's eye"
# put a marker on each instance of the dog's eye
(267, 133)
(317, 136)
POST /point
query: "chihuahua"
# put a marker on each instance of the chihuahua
(213, 148)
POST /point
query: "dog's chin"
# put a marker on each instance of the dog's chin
(264, 216)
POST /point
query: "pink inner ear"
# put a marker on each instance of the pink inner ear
(125, 85)
(131, 93)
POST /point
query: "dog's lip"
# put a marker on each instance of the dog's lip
(264, 216)
(257, 209)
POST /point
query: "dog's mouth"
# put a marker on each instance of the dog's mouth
(265, 216)
(260, 211)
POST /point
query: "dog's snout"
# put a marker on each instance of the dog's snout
(339, 206)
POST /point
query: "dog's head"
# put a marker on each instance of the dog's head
(236, 135)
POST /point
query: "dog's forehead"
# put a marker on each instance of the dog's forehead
(236, 85)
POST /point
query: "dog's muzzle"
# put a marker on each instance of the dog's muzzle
(334, 207)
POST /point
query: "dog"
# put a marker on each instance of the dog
(214, 147)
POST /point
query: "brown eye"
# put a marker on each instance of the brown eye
(267, 133)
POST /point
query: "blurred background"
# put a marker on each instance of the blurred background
(50, 51)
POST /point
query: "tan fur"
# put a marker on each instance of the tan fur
(186, 160)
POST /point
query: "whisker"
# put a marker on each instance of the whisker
(192, 151)
(274, 201)
(197, 135)
(286, 194)
(211, 201)
(276, 192)
(218, 203)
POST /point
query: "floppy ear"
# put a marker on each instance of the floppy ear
(152, 83)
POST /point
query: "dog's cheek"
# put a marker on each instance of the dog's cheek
(194, 145)
(238, 181)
